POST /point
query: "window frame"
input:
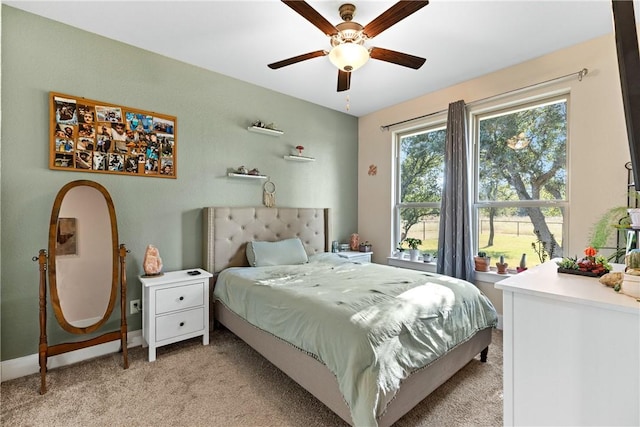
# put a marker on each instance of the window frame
(474, 115)
(437, 122)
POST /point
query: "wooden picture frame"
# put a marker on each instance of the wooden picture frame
(94, 136)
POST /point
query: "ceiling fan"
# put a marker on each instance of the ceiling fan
(348, 52)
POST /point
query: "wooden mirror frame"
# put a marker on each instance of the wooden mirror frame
(47, 262)
(53, 255)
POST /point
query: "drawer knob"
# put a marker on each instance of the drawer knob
(181, 323)
(181, 298)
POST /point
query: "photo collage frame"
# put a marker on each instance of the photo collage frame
(94, 136)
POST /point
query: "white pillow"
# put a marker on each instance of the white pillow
(283, 252)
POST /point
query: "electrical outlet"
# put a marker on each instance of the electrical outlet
(134, 306)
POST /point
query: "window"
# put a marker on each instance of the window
(419, 179)
(521, 180)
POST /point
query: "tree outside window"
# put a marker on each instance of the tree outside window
(420, 178)
(521, 181)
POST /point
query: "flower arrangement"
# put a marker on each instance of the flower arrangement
(299, 148)
(590, 252)
(591, 264)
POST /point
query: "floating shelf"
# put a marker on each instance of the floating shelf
(265, 131)
(300, 158)
(246, 176)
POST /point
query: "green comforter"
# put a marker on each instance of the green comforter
(370, 324)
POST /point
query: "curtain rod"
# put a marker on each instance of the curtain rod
(580, 75)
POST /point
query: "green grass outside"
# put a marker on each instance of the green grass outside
(511, 240)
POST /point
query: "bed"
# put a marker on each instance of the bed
(338, 350)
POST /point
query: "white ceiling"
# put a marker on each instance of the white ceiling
(460, 39)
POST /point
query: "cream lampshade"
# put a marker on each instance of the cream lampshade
(349, 56)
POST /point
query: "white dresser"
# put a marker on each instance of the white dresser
(175, 307)
(571, 351)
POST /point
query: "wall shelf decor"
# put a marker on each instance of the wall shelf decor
(265, 131)
(245, 176)
(94, 136)
(299, 158)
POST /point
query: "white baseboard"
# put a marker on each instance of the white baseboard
(27, 365)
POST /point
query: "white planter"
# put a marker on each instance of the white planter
(414, 254)
(634, 215)
(631, 285)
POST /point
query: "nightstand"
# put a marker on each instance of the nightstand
(175, 307)
(353, 256)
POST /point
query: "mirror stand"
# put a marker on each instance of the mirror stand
(83, 271)
(45, 350)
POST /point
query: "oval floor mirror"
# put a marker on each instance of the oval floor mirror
(84, 267)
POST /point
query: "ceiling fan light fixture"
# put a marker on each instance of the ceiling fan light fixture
(349, 56)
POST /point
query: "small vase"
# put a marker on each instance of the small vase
(634, 216)
(631, 285)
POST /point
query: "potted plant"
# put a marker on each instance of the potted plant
(427, 257)
(400, 251)
(502, 266)
(482, 261)
(591, 264)
(631, 281)
(615, 219)
(414, 252)
(523, 264)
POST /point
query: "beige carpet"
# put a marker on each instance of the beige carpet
(224, 384)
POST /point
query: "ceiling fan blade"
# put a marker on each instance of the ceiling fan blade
(398, 58)
(311, 15)
(391, 16)
(344, 80)
(297, 59)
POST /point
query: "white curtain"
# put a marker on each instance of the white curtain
(455, 253)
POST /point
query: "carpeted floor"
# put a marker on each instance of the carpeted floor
(224, 384)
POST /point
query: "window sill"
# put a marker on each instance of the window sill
(414, 265)
(481, 276)
(491, 276)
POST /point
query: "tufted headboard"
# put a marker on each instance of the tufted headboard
(228, 229)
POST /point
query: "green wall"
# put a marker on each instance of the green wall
(213, 112)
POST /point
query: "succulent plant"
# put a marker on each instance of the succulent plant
(568, 263)
(523, 261)
(632, 261)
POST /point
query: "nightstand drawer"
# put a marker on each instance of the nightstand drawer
(179, 297)
(174, 325)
